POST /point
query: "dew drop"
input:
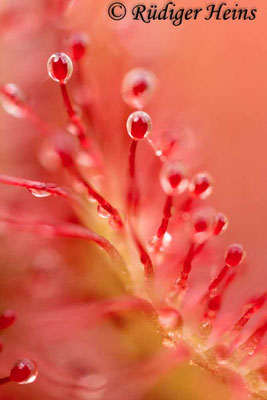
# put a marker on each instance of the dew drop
(78, 43)
(12, 100)
(114, 223)
(234, 255)
(160, 244)
(7, 318)
(152, 244)
(39, 193)
(222, 354)
(158, 153)
(102, 212)
(139, 125)
(137, 87)
(213, 292)
(172, 178)
(204, 329)
(166, 241)
(73, 129)
(168, 343)
(201, 185)
(201, 228)
(59, 67)
(170, 318)
(220, 224)
(24, 372)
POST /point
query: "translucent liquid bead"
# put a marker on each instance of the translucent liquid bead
(59, 67)
(24, 372)
(7, 318)
(201, 229)
(222, 354)
(160, 244)
(139, 125)
(220, 224)
(12, 100)
(170, 318)
(234, 255)
(78, 43)
(166, 241)
(102, 212)
(204, 329)
(172, 179)
(39, 193)
(137, 87)
(201, 185)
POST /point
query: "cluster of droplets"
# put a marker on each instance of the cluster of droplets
(175, 181)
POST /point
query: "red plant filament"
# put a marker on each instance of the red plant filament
(166, 218)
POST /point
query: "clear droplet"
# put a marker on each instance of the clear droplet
(59, 67)
(168, 343)
(78, 43)
(204, 329)
(39, 193)
(152, 244)
(166, 241)
(213, 292)
(139, 125)
(137, 87)
(202, 228)
(220, 224)
(222, 354)
(201, 185)
(170, 318)
(175, 144)
(24, 372)
(115, 223)
(158, 153)
(12, 100)
(102, 212)
(73, 129)
(172, 178)
(234, 255)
